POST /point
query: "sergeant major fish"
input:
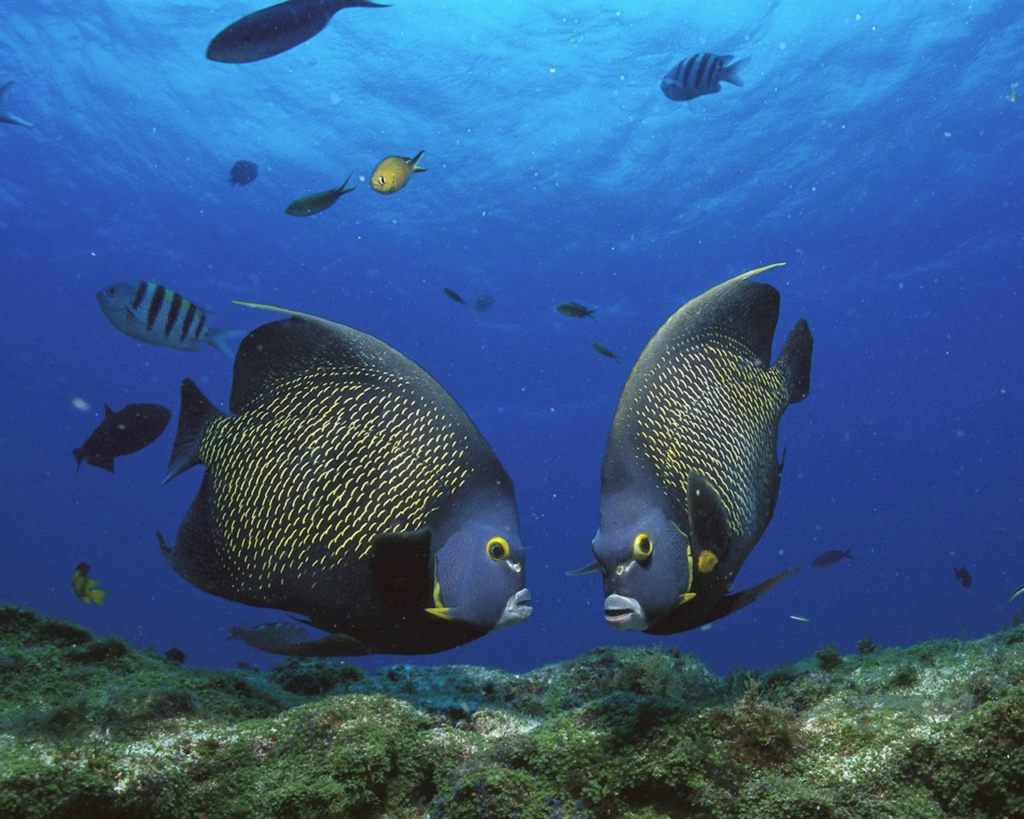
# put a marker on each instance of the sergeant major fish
(276, 29)
(701, 74)
(349, 489)
(122, 433)
(152, 313)
(5, 115)
(690, 473)
(393, 172)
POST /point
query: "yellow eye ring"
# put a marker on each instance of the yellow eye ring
(497, 549)
(643, 547)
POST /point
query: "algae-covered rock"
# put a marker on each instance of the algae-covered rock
(92, 727)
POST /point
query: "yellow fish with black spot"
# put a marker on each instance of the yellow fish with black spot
(350, 489)
(691, 471)
(393, 172)
(85, 586)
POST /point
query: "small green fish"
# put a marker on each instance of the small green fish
(393, 172)
(604, 351)
(85, 586)
(316, 202)
(454, 296)
(574, 309)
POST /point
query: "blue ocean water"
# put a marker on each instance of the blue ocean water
(876, 148)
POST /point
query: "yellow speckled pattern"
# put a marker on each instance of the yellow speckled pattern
(330, 459)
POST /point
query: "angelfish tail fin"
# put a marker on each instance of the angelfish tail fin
(197, 413)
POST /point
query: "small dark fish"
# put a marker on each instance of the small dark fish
(574, 309)
(454, 296)
(483, 303)
(392, 172)
(316, 202)
(175, 655)
(5, 115)
(274, 30)
(85, 586)
(243, 172)
(152, 313)
(964, 576)
(122, 433)
(604, 351)
(699, 75)
(831, 557)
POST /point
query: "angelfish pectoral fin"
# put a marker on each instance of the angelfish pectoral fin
(401, 570)
(709, 522)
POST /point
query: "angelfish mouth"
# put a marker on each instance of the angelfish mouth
(624, 613)
(517, 609)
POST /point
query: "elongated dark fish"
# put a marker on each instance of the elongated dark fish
(316, 202)
(691, 474)
(350, 489)
(243, 172)
(831, 557)
(600, 348)
(274, 30)
(701, 74)
(454, 296)
(574, 309)
(152, 313)
(122, 433)
(5, 115)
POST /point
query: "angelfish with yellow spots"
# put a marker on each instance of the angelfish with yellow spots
(350, 489)
(691, 472)
(393, 172)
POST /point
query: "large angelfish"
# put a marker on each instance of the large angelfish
(350, 489)
(691, 472)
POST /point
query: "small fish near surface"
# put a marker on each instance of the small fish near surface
(351, 490)
(964, 576)
(85, 586)
(831, 557)
(243, 172)
(276, 29)
(122, 433)
(393, 172)
(574, 309)
(691, 474)
(701, 74)
(455, 297)
(317, 202)
(602, 350)
(150, 312)
(5, 115)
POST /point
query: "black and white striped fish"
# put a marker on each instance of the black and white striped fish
(701, 74)
(150, 312)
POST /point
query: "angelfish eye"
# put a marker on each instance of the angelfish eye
(497, 548)
(643, 547)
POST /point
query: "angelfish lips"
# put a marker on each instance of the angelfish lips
(624, 613)
(516, 610)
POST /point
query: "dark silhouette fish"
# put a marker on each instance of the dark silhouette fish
(699, 75)
(122, 433)
(830, 558)
(691, 473)
(574, 309)
(274, 30)
(349, 489)
(317, 202)
(243, 172)
(454, 296)
(601, 349)
(964, 576)
(5, 115)
(483, 303)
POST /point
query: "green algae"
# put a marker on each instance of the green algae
(91, 727)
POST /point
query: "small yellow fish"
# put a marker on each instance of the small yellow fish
(393, 172)
(85, 586)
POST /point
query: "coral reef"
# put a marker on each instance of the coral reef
(92, 727)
